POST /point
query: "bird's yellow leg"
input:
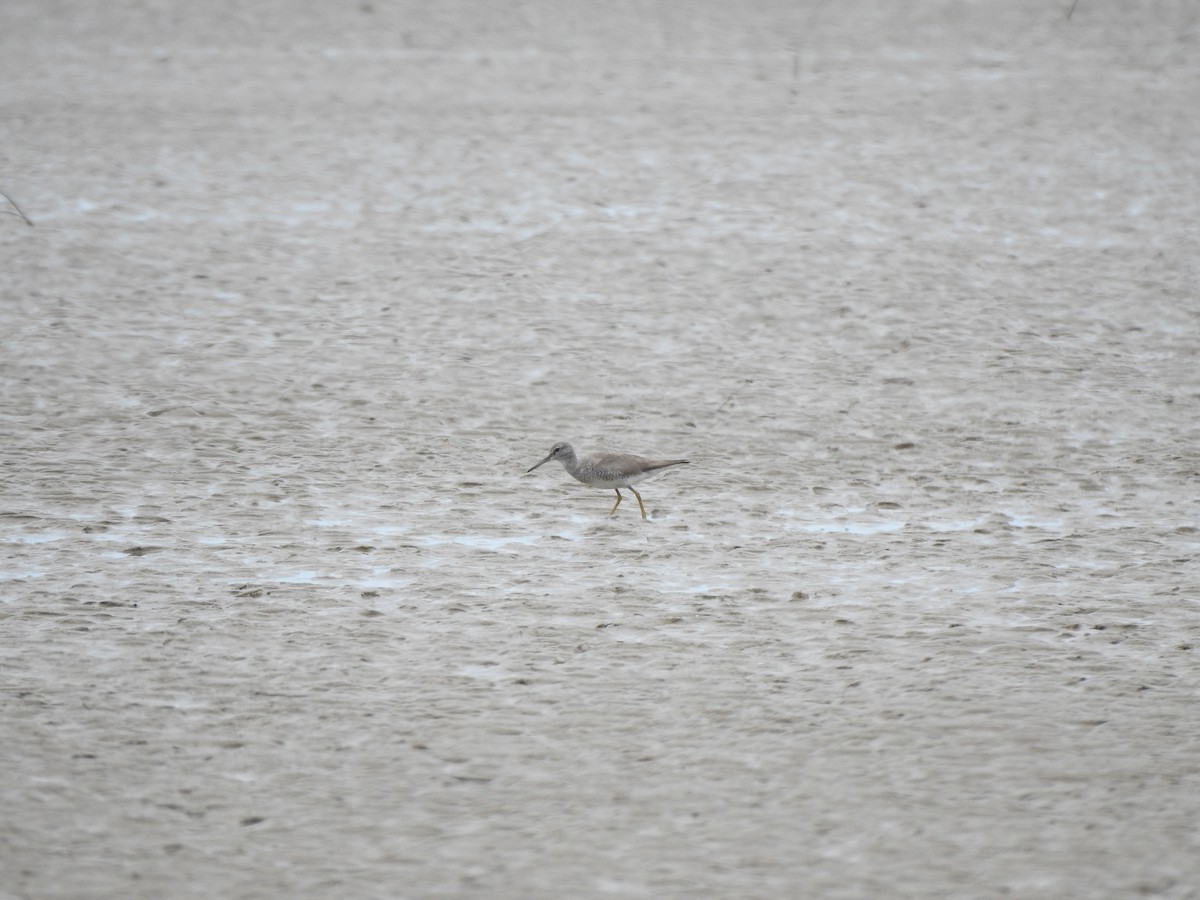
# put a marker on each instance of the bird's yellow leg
(639, 500)
(618, 503)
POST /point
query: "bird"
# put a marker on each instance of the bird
(608, 470)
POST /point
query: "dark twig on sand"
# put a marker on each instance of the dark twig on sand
(742, 386)
(17, 210)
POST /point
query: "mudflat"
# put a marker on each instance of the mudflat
(311, 285)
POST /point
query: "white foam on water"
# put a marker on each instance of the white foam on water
(20, 576)
(476, 541)
(303, 577)
(44, 537)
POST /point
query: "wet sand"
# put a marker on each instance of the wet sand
(311, 285)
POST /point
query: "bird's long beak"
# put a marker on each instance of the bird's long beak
(543, 462)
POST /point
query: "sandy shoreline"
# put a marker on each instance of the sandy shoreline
(310, 287)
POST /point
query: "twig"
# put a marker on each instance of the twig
(744, 382)
(1074, 3)
(20, 212)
